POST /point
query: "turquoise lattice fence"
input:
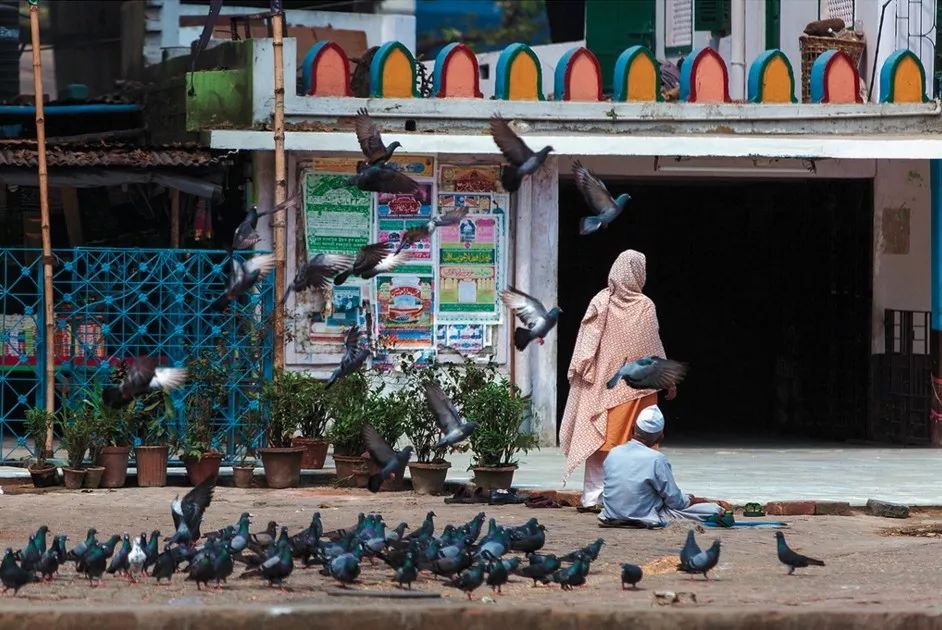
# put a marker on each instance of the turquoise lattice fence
(114, 304)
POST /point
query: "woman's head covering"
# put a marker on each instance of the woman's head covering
(628, 274)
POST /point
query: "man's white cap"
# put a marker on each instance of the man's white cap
(650, 420)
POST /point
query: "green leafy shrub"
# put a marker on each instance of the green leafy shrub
(498, 411)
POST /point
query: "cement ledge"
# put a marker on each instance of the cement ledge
(379, 614)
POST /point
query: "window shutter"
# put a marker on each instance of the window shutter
(611, 27)
(711, 15)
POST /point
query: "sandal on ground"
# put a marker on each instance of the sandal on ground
(592, 509)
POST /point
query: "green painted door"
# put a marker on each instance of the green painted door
(611, 26)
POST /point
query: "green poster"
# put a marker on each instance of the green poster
(336, 216)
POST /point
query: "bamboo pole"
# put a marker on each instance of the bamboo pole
(281, 189)
(174, 218)
(44, 218)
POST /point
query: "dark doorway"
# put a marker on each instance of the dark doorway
(763, 286)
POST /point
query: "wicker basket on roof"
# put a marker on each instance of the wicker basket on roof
(812, 46)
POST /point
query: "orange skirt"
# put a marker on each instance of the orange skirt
(621, 421)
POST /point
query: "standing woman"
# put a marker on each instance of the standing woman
(620, 324)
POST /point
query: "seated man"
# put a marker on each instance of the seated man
(639, 487)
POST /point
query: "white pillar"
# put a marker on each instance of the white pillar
(737, 74)
(537, 265)
(263, 174)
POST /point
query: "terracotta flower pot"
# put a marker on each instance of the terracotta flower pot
(44, 477)
(428, 478)
(74, 477)
(115, 461)
(352, 470)
(93, 476)
(494, 478)
(282, 466)
(202, 468)
(151, 466)
(315, 451)
(388, 485)
(242, 476)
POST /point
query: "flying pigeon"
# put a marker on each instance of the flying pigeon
(704, 561)
(523, 161)
(143, 376)
(391, 462)
(453, 426)
(631, 574)
(383, 179)
(469, 580)
(243, 276)
(354, 354)
(371, 142)
(600, 201)
(792, 559)
(649, 373)
(188, 513)
(538, 321)
(690, 549)
(245, 236)
(416, 234)
(372, 260)
(13, 575)
(317, 272)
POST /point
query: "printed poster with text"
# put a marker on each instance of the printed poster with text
(397, 213)
(337, 219)
(470, 270)
(404, 306)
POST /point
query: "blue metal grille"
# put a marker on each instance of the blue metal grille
(114, 304)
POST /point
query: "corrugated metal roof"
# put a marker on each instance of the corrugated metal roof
(23, 153)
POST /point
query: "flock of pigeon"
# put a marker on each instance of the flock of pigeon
(458, 554)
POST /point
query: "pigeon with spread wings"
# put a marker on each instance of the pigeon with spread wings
(390, 461)
(454, 427)
(317, 273)
(649, 373)
(243, 276)
(382, 179)
(371, 142)
(538, 321)
(600, 201)
(354, 354)
(142, 377)
(523, 161)
(371, 260)
(416, 234)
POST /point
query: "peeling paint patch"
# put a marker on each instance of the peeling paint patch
(895, 230)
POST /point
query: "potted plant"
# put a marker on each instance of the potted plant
(346, 401)
(387, 412)
(498, 411)
(76, 433)
(208, 380)
(312, 421)
(110, 445)
(150, 454)
(249, 435)
(38, 422)
(282, 462)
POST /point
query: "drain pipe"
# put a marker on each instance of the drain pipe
(737, 75)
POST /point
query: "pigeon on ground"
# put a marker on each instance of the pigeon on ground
(188, 513)
(92, 565)
(704, 561)
(383, 179)
(472, 529)
(48, 564)
(523, 161)
(468, 581)
(222, 564)
(260, 540)
(541, 568)
(573, 575)
(355, 354)
(451, 560)
(406, 573)
(79, 551)
(345, 568)
(306, 543)
(245, 237)
(453, 426)
(371, 142)
(242, 277)
(689, 550)
(137, 557)
(151, 550)
(631, 574)
(395, 535)
(591, 551)
(201, 567)
(600, 201)
(278, 567)
(426, 529)
(165, 565)
(649, 373)
(143, 376)
(416, 234)
(372, 260)
(497, 575)
(528, 538)
(791, 558)
(109, 545)
(13, 575)
(30, 554)
(119, 561)
(317, 273)
(537, 320)
(392, 463)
